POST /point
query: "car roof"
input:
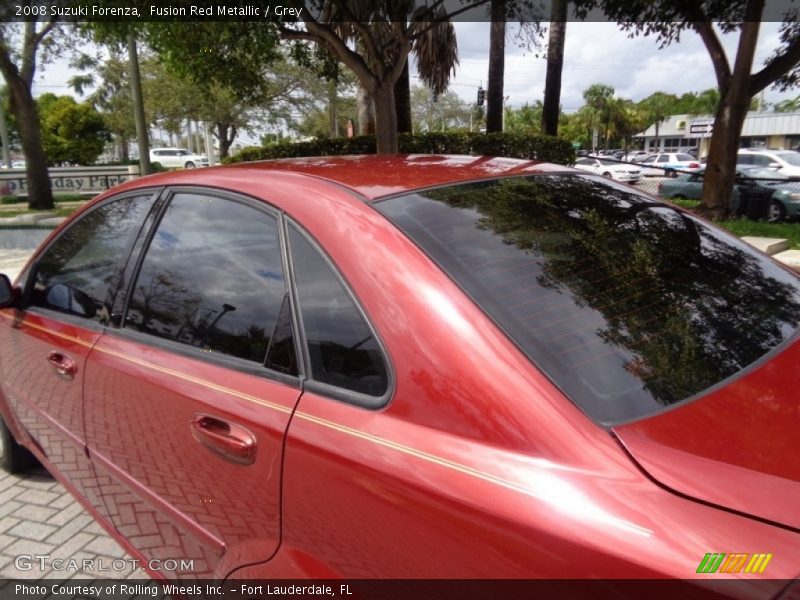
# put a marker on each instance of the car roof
(371, 175)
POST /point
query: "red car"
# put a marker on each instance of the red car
(411, 367)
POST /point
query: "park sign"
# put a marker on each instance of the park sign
(70, 180)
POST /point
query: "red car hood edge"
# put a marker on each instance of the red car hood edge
(737, 447)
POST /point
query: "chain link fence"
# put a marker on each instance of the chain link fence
(759, 193)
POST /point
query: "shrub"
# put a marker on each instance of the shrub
(11, 199)
(71, 197)
(512, 145)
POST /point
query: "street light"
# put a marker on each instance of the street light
(226, 308)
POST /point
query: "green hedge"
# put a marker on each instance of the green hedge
(512, 145)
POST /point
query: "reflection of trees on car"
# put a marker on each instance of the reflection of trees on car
(674, 296)
(86, 260)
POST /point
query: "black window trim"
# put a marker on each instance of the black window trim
(325, 389)
(131, 266)
(230, 362)
(562, 171)
(30, 275)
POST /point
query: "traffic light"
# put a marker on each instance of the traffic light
(481, 96)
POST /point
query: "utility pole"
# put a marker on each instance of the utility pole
(138, 105)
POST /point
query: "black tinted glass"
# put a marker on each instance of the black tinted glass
(628, 305)
(342, 349)
(80, 270)
(281, 351)
(212, 278)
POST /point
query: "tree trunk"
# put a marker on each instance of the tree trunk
(4, 135)
(497, 46)
(124, 148)
(138, 105)
(720, 173)
(225, 139)
(658, 126)
(555, 65)
(366, 111)
(402, 100)
(385, 119)
(333, 118)
(37, 177)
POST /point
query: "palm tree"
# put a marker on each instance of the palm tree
(497, 49)
(791, 105)
(436, 53)
(599, 98)
(555, 65)
(657, 108)
(111, 95)
(366, 37)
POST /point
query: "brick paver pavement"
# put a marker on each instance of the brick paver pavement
(39, 517)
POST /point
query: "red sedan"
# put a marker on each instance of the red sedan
(411, 366)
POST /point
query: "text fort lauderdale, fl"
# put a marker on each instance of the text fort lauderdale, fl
(225, 11)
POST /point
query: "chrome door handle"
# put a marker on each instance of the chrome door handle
(63, 364)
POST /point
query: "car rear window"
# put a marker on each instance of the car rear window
(628, 305)
(793, 158)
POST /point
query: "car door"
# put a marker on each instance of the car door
(69, 290)
(188, 399)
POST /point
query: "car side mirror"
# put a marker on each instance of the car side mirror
(68, 299)
(774, 165)
(9, 294)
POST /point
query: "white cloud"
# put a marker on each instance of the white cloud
(594, 53)
(601, 53)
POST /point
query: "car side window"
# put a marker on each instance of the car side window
(212, 278)
(342, 349)
(663, 158)
(744, 159)
(79, 271)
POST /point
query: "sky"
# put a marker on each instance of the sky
(601, 53)
(594, 53)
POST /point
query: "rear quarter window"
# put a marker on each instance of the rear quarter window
(627, 304)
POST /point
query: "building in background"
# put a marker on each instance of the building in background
(760, 130)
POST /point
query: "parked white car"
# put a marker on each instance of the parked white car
(636, 156)
(177, 158)
(785, 162)
(610, 168)
(668, 164)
